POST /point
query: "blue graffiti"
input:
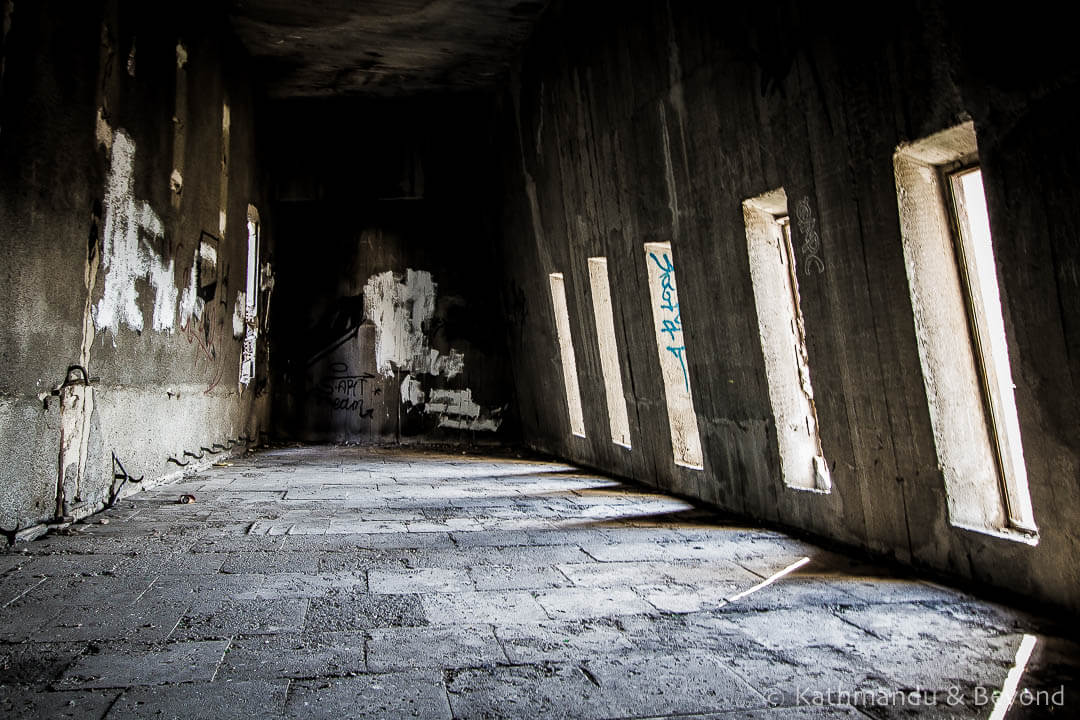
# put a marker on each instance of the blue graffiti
(670, 327)
(667, 283)
(669, 302)
(678, 353)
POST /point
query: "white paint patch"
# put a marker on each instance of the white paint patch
(181, 55)
(191, 305)
(447, 365)
(400, 312)
(208, 254)
(238, 315)
(457, 409)
(453, 402)
(127, 256)
(161, 279)
(176, 182)
(484, 424)
(411, 392)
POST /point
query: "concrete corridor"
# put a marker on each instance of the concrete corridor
(338, 582)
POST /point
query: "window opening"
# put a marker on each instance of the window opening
(975, 259)
(959, 326)
(566, 352)
(783, 341)
(671, 348)
(604, 313)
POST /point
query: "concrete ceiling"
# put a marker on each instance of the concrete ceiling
(318, 48)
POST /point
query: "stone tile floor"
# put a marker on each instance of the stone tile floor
(337, 582)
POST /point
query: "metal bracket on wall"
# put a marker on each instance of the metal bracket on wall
(119, 473)
(71, 378)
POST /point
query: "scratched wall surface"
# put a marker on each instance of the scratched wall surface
(127, 161)
(388, 287)
(647, 122)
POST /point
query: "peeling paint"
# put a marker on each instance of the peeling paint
(103, 132)
(411, 392)
(457, 409)
(446, 365)
(191, 305)
(162, 276)
(480, 424)
(181, 55)
(131, 229)
(400, 312)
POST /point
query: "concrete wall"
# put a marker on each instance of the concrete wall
(387, 285)
(116, 176)
(639, 122)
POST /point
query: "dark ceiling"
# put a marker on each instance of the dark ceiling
(318, 48)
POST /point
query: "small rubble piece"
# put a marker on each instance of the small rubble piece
(186, 498)
(104, 521)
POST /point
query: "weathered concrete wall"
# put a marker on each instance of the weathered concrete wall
(387, 286)
(638, 122)
(127, 162)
